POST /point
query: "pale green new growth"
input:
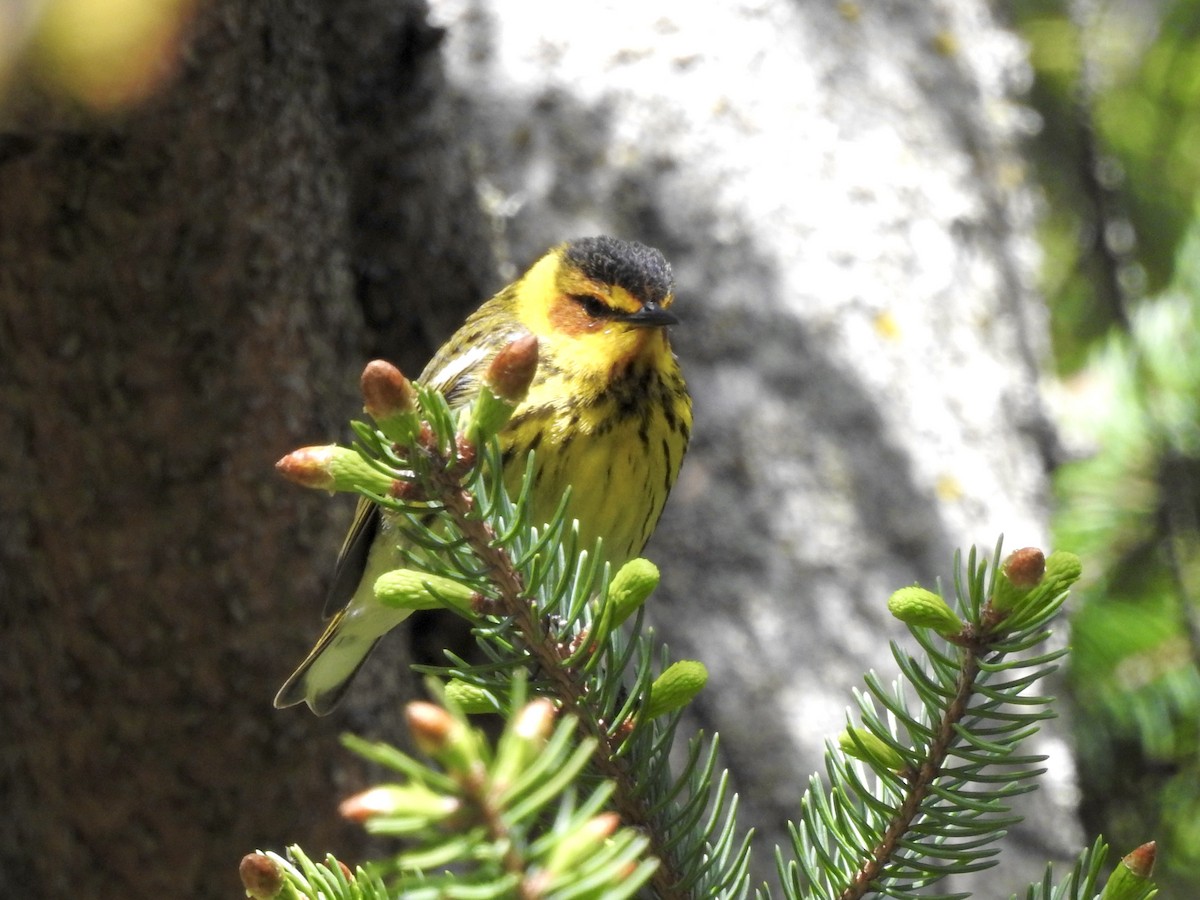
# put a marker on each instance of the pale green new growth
(580, 798)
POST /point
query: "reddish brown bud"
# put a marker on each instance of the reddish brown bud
(425, 437)
(386, 392)
(511, 372)
(466, 452)
(603, 825)
(1025, 567)
(482, 605)
(408, 491)
(431, 726)
(536, 883)
(261, 876)
(333, 468)
(309, 467)
(366, 804)
(405, 800)
(624, 731)
(535, 721)
(1141, 860)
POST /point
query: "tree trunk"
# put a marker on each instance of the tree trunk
(840, 190)
(186, 294)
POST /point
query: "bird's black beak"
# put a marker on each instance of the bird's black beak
(651, 315)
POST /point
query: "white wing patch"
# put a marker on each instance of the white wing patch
(444, 378)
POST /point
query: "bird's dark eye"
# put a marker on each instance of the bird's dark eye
(595, 308)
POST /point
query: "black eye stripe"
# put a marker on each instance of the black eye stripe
(594, 307)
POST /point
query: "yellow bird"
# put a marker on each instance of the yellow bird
(608, 414)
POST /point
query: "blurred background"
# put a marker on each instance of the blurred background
(1118, 161)
(939, 275)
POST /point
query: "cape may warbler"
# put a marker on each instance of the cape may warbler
(607, 414)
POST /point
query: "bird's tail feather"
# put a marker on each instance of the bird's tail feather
(326, 673)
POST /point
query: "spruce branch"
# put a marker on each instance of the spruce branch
(1130, 880)
(269, 876)
(548, 654)
(590, 806)
(479, 814)
(568, 662)
(916, 791)
(541, 609)
(483, 812)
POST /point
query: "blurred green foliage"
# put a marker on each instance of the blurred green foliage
(1129, 511)
(1118, 89)
(1118, 155)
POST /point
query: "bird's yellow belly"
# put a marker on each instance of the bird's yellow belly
(619, 471)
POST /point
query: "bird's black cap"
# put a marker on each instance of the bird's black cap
(639, 269)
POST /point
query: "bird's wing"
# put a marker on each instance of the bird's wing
(456, 375)
(352, 558)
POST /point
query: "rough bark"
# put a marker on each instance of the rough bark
(187, 293)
